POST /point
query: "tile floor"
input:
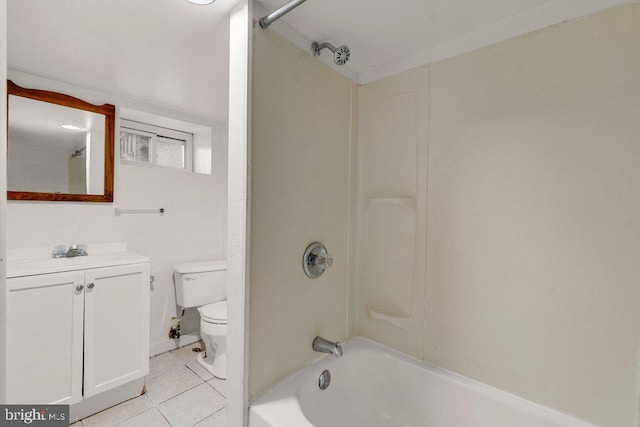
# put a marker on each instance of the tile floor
(180, 393)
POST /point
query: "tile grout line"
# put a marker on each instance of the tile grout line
(203, 381)
(210, 415)
(148, 409)
(199, 421)
(174, 396)
(189, 368)
(163, 416)
(156, 406)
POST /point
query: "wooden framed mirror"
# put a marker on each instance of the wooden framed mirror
(59, 148)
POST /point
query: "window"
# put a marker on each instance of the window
(154, 145)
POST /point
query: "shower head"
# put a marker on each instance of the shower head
(341, 54)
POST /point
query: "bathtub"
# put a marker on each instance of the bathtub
(375, 386)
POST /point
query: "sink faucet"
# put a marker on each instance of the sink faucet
(61, 251)
(76, 250)
(325, 346)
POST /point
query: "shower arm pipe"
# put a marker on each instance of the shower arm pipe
(317, 47)
(265, 21)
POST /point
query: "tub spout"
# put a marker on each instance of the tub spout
(325, 346)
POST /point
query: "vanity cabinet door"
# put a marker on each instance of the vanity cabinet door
(44, 338)
(116, 336)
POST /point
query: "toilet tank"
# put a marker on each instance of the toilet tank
(200, 283)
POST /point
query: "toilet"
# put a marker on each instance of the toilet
(204, 285)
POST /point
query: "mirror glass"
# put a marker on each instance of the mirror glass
(57, 148)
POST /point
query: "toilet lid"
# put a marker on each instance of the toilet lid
(216, 312)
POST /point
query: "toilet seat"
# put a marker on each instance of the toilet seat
(214, 313)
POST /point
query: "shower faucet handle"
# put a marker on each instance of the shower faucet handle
(322, 260)
(316, 260)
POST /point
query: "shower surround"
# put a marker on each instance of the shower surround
(482, 212)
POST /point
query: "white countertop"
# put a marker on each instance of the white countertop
(34, 261)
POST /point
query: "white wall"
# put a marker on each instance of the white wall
(533, 230)
(3, 192)
(299, 194)
(193, 227)
(240, 28)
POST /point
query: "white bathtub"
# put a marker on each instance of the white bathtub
(372, 385)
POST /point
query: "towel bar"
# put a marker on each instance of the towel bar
(119, 211)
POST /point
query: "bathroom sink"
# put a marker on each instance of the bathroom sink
(39, 261)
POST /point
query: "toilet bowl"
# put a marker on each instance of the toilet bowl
(213, 330)
(204, 285)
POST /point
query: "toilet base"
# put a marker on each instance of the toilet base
(214, 336)
(217, 366)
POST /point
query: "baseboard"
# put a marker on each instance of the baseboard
(172, 344)
(106, 399)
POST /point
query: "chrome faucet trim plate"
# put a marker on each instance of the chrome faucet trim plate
(316, 260)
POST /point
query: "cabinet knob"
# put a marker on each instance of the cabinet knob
(91, 285)
(79, 287)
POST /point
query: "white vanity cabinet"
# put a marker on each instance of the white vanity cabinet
(116, 326)
(44, 338)
(73, 335)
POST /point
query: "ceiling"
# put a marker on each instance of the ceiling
(388, 37)
(166, 52)
(174, 54)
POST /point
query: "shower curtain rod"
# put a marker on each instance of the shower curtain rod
(265, 21)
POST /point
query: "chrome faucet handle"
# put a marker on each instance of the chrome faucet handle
(322, 260)
(76, 250)
(316, 260)
(59, 251)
